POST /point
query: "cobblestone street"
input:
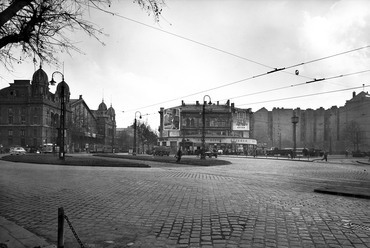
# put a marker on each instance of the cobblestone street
(250, 203)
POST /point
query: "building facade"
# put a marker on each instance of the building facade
(335, 130)
(30, 113)
(30, 117)
(226, 128)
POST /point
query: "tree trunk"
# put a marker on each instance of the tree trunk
(9, 12)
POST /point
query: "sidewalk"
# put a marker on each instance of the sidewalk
(340, 159)
(14, 236)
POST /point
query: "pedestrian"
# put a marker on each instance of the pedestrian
(325, 156)
(178, 155)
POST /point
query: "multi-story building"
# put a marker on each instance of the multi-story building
(226, 128)
(30, 113)
(30, 117)
(335, 130)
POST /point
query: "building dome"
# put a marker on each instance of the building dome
(102, 106)
(111, 111)
(66, 89)
(40, 77)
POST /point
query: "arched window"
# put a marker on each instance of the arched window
(192, 123)
(188, 122)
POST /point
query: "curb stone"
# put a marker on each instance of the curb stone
(14, 236)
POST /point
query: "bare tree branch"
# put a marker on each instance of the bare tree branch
(37, 27)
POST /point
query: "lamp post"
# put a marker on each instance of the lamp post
(295, 120)
(134, 151)
(203, 155)
(62, 113)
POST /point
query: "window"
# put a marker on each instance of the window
(47, 118)
(23, 115)
(192, 123)
(10, 116)
(188, 122)
(23, 132)
(10, 132)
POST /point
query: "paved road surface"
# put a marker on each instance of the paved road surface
(251, 203)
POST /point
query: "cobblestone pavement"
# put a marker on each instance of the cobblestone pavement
(250, 203)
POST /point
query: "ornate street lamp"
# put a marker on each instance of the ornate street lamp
(62, 113)
(134, 151)
(203, 155)
(295, 120)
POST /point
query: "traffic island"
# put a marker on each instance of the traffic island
(350, 191)
(72, 161)
(195, 161)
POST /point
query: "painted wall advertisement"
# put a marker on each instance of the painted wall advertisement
(171, 119)
(241, 121)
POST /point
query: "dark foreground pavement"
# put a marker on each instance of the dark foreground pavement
(250, 203)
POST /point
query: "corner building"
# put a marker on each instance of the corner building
(30, 117)
(226, 128)
(30, 113)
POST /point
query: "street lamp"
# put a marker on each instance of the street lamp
(134, 151)
(295, 120)
(62, 113)
(203, 155)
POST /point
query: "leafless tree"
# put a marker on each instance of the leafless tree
(39, 28)
(352, 133)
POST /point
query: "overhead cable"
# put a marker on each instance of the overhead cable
(301, 96)
(294, 85)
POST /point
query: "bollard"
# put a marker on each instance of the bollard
(60, 227)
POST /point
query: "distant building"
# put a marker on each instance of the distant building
(335, 130)
(106, 124)
(226, 128)
(30, 117)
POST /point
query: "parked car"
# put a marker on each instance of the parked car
(17, 151)
(359, 154)
(211, 154)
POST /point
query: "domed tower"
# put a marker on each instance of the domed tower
(111, 113)
(59, 91)
(40, 83)
(102, 106)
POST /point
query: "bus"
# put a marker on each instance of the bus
(49, 148)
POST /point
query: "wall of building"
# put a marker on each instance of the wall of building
(325, 129)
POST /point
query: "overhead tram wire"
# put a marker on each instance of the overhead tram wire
(308, 95)
(229, 53)
(235, 55)
(184, 38)
(329, 56)
(249, 78)
(294, 85)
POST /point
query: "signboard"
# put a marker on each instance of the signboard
(171, 119)
(241, 121)
(244, 141)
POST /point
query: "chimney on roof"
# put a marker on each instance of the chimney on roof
(80, 96)
(353, 94)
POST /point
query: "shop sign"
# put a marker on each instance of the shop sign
(225, 140)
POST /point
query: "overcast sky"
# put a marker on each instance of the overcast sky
(215, 48)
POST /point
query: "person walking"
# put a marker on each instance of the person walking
(178, 155)
(325, 157)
